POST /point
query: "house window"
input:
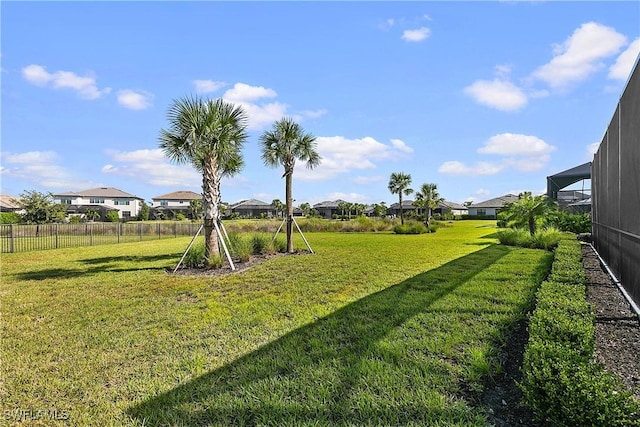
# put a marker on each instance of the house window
(96, 201)
(65, 201)
(164, 203)
(126, 214)
(481, 212)
(121, 202)
(181, 201)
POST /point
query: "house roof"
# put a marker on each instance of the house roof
(8, 202)
(106, 192)
(405, 204)
(328, 204)
(250, 204)
(497, 202)
(179, 195)
(453, 205)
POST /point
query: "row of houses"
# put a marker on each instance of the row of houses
(106, 199)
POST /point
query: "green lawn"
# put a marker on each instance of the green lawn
(373, 329)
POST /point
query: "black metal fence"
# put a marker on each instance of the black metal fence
(23, 238)
(616, 191)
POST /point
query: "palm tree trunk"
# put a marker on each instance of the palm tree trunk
(401, 215)
(289, 202)
(210, 201)
(532, 225)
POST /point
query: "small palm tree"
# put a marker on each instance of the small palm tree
(209, 135)
(527, 209)
(195, 208)
(399, 183)
(278, 206)
(92, 214)
(285, 143)
(428, 198)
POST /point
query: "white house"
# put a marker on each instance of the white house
(102, 198)
(491, 207)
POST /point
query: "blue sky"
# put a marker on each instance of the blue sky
(481, 98)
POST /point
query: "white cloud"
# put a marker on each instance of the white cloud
(500, 94)
(512, 144)
(85, 87)
(625, 62)
(40, 168)
(342, 155)
(580, 55)
(311, 114)
(152, 167)
(208, 86)
(242, 92)
(524, 153)
(134, 100)
(416, 35)
(262, 116)
(455, 167)
(401, 146)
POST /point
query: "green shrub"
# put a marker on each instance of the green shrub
(278, 245)
(240, 248)
(195, 256)
(259, 244)
(410, 228)
(560, 380)
(9, 218)
(112, 216)
(546, 238)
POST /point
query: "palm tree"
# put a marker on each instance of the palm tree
(306, 209)
(92, 214)
(195, 208)
(209, 135)
(428, 198)
(277, 206)
(527, 209)
(399, 184)
(285, 143)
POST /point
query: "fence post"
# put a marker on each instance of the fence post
(158, 228)
(12, 236)
(57, 232)
(119, 231)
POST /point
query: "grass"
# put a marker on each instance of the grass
(374, 329)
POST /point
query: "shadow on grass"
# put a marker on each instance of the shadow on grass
(336, 370)
(98, 265)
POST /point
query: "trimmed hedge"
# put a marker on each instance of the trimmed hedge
(561, 381)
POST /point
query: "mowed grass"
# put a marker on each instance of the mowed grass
(372, 329)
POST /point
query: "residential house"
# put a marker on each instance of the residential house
(407, 206)
(8, 203)
(329, 208)
(173, 203)
(103, 199)
(452, 208)
(251, 208)
(491, 208)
